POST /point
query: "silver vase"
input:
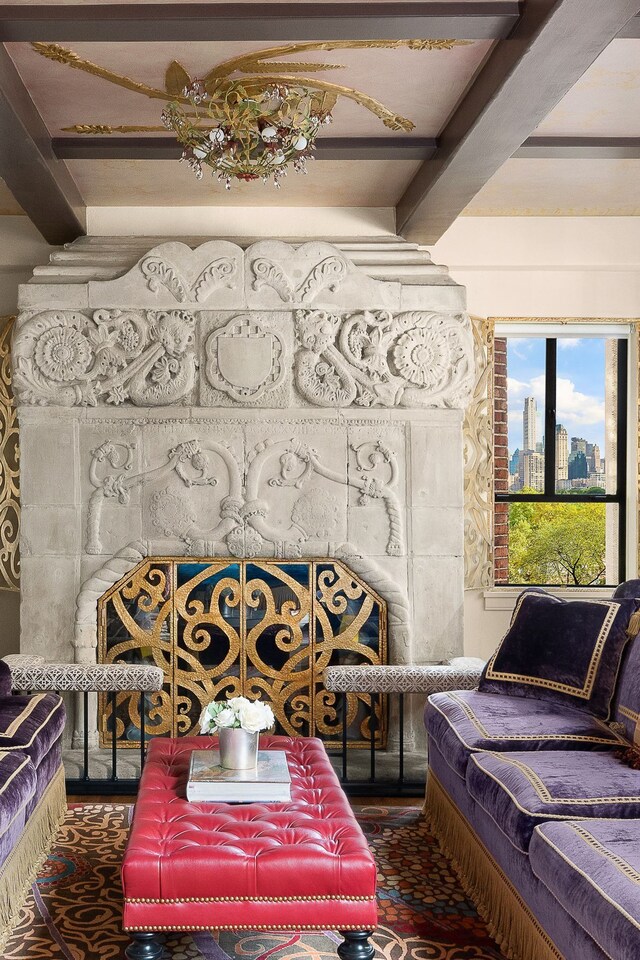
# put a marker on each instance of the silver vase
(238, 748)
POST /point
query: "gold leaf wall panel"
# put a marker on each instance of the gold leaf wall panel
(9, 467)
(478, 464)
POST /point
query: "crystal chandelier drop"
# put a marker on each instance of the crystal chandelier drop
(247, 132)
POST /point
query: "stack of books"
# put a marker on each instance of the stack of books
(268, 782)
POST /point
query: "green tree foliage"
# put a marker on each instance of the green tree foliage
(557, 543)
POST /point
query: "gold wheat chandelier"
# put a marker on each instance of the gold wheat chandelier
(250, 127)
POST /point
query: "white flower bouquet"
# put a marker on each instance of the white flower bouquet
(236, 714)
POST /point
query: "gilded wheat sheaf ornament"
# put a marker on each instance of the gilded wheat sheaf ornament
(253, 126)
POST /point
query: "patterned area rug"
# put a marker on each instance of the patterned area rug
(74, 910)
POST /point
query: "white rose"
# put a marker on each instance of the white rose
(225, 718)
(205, 720)
(253, 717)
(237, 702)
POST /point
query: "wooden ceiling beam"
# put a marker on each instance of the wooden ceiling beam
(580, 148)
(631, 31)
(352, 148)
(40, 182)
(167, 148)
(303, 20)
(550, 48)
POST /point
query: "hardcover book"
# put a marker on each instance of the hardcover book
(268, 782)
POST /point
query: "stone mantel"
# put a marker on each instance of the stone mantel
(242, 399)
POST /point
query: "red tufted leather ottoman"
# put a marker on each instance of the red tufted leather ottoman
(302, 865)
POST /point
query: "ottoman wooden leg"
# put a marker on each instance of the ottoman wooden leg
(145, 946)
(356, 945)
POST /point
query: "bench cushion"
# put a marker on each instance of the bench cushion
(31, 724)
(566, 651)
(521, 790)
(304, 864)
(593, 870)
(467, 721)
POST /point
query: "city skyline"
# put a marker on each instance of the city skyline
(578, 461)
(580, 390)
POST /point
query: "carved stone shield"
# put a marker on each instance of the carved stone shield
(244, 360)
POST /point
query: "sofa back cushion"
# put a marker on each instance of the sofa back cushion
(5, 679)
(626, 707)
(566, 651)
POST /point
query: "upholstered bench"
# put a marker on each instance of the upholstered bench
(301, 865)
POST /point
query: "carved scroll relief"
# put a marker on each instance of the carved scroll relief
(242, 523)
(65, 358)
(328, 274)
(159, 272)
(413, 359)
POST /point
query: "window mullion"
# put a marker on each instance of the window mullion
(621, 454)
(551, 362)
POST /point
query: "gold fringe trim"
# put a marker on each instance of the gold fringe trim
(509, 920)
(21, 867)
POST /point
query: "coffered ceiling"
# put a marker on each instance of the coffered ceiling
(531, 108)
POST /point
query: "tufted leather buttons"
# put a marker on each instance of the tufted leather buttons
(301, 864)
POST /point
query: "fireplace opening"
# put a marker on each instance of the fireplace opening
(265, 629)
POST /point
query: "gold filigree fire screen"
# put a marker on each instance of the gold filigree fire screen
(264, 629)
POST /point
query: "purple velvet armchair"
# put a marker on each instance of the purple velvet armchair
(32, 793)
(537, 801)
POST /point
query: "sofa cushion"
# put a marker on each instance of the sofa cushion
(626, 704)
(5, 679)
(467, 720)
(17, 786)
(568, 651)
(520, 790)
(31, 724)
(593, 870)
(629, 588)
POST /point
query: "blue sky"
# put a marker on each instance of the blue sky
(580, 386)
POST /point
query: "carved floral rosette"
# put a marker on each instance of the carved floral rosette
(373, 358)
(67, 358)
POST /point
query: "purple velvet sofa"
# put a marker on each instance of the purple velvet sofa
(540, 815)
(32, 793)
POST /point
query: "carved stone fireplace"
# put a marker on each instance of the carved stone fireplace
(269, 401)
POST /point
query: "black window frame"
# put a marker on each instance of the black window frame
(550, 495)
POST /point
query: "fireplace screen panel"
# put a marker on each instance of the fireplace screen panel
(262, 628)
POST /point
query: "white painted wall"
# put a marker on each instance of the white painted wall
(285, 222)
(539, 267)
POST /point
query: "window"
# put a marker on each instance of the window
(560, 428)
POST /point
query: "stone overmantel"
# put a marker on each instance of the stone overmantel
(260, 399)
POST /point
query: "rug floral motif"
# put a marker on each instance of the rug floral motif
(74, 909)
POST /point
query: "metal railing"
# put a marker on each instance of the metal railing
(388, 771)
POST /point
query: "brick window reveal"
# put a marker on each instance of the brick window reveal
(501, 462)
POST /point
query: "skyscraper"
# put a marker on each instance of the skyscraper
(578, 445)
(562, 453)
(529, 424)
(533, 470)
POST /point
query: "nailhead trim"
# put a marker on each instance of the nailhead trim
(247, 926)
(329, 896)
